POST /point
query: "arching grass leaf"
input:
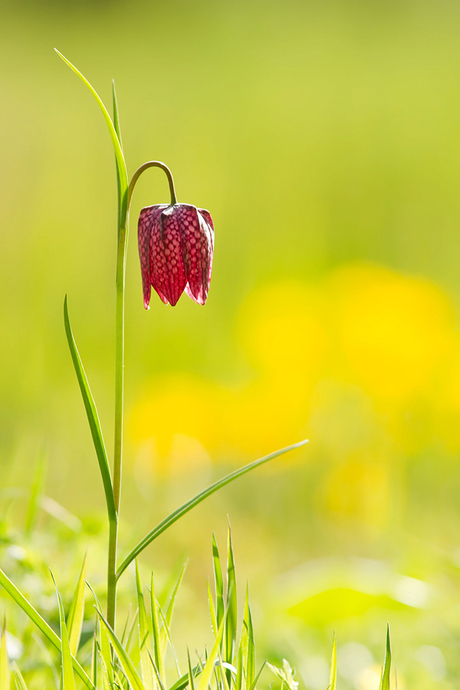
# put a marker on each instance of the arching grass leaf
(183, 509)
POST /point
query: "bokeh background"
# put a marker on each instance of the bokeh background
(324, 137)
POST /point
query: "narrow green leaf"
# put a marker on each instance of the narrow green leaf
(172, 599)
(157, 675)
(35, 493)
(75, 618)
(209, 666)
(169, 639)
(94, 657)
(333, 675)
(67, 677)
(20, 682)
(93, 417)
(159, 647)
(125, 627)
(212, 612)
(231, 597)
(40, 623)
(218, 581)
(146, 666)
(385, 678)
(126, 663)
(105, 675)
(116, 124)
(116, 119)
(256, 679)
(191, 680)
(105, 652)
(182, 510)
(4, 664)
(120, 161)
(251, 656)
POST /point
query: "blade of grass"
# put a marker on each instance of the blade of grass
(157, 675)
(35, 617)
(125, 628)
(212, 612)
(172, 600)
(231, 597)
(159, 646)
(105, 652)
(93, 417)
(105, 676)
(67, 677)
(19, 680)
(169, 639)
(146, 666)
(385, 679)
(251, 660)
(120, 161)
(116, 124)
(333, 675)
(209, 666)
(4, 663)
(75, 617)
(218, 581)
(126, 663)
(35, 493)
(94, 658)
(191, 680)
(256, 679)
(116, 119)
(182, 510)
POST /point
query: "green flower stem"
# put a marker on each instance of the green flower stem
(124, 205)
(118, 441)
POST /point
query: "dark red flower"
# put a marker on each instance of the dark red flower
(175, 247)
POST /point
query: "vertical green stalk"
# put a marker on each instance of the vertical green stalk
(119, 397)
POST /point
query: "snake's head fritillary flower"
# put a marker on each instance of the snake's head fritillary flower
(175, 248)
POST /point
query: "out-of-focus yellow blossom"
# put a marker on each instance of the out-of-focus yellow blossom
(394, 331)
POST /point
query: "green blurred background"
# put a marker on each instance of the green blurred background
(324, 137)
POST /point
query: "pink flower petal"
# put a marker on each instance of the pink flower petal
(167, 265)
(197, 251)
(147, 219)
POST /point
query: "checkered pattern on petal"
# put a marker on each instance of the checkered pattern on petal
(147, 220)
(167, 265)
(197, 247)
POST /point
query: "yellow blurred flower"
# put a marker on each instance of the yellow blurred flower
(394, 331)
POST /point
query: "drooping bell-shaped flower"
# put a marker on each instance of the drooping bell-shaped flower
(176, 244)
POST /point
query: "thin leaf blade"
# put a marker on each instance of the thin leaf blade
(92, 415)
(333, 674)
(67, 677)
(183, 509)
(385, 679)
(75, 618)
(126, 663)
